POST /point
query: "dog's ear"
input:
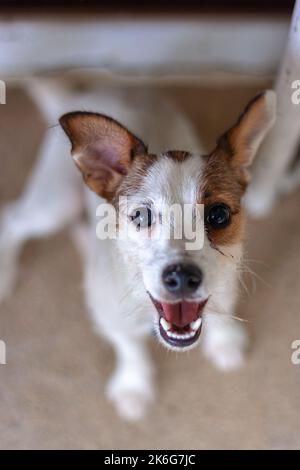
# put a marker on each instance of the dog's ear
(240, 143)
(102, 149)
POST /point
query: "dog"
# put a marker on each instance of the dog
(136, 284)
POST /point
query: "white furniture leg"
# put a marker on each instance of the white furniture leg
(279, 147)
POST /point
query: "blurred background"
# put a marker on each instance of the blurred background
(211, 59)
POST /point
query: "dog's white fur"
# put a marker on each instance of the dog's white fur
(118, 273)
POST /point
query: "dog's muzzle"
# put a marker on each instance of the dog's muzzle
(180, 323)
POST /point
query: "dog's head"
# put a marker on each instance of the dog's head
(181, 283)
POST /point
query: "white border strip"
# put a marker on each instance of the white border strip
(178, 47)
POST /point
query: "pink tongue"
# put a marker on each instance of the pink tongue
(182, 313)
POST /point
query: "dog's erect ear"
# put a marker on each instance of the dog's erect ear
(102, 149)
(241, 141)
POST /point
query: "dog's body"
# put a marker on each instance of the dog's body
(128, 290)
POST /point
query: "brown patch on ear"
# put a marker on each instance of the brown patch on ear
(102, 149)
(240, 143)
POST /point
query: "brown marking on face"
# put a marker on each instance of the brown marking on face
(139, 169)
(135, 176)
(220, 184)
(177, 155)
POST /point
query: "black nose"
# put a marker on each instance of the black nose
(182, 278)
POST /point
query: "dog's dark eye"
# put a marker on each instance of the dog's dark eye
(143, 217)
(218, 216)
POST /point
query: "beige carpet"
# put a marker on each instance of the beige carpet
(52, 388)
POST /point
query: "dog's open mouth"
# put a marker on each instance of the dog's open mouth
(180, 323)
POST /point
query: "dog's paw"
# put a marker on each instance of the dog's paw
(132, 401)
(226, 347)
(131, 405)
(226, 357)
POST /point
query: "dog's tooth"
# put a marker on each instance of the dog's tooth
(195, 325)
(165, 324)
(181, 336)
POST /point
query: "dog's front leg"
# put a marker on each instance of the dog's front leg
(125, 323)
(224, 338)
(224, 341)
(131, 386)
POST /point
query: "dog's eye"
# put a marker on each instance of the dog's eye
(218, 216)
(143, 217)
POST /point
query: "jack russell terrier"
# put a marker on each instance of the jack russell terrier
(136, 284)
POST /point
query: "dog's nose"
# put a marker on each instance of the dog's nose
(182, 278)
